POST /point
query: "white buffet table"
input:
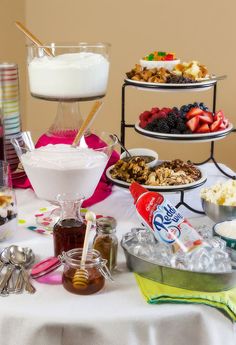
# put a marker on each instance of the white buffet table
(116, 316)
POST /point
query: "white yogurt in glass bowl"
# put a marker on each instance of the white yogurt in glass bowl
(74, 73)
(62, 169)
(59, 169)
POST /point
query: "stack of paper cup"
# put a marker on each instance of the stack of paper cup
(9, 84)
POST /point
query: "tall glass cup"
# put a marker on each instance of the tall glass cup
(8, 209)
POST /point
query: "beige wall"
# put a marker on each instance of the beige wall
(202, 30)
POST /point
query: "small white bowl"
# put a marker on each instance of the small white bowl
(169, 65)
(143, 152)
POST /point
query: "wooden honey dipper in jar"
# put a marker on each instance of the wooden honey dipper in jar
(81, 276)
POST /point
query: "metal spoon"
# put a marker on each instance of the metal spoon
(19, 258)
(30, 257)
(5, 258)
(123, 147)
(19, 282)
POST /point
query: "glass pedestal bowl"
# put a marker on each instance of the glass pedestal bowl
(62, 169)
(74, 73)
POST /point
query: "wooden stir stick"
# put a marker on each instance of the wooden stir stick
(81, 276)
(33, 38)
(97, 105)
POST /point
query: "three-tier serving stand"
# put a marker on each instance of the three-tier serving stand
(212, 137)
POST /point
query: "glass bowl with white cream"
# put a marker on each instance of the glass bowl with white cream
(63, 169)
(72, 73)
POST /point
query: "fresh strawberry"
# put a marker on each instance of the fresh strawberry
(145, 115)
(226, 122)
(216, 125)
(203, 128)
(206, 117)
(154, 110)
(193, 123)
(219, 115)
(222, 126)
(193, 112)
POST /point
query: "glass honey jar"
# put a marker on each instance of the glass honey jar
(84, 279)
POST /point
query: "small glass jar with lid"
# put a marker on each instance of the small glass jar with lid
(81, 278)
(84, 279)
(105, 240)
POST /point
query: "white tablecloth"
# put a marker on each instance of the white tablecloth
(116, 316)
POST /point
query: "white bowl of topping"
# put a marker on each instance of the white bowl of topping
(150, 156)
(227, 231)
(169, 65)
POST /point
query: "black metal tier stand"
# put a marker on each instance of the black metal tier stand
(182, 87)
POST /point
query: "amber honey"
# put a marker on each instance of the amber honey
(86, 279)
(95, 281)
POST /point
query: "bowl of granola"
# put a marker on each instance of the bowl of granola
(150, 156)
(166, 176)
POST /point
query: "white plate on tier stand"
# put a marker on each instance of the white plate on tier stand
(198, 86)
(163, 189)
(190, 138)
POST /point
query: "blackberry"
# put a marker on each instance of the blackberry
(174, 131)
(171, 120)
(181, 126)
(151, 126)
(175, 110)
(188, 131)
(162, 126)
(176, 79)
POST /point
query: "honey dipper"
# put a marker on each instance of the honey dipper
(81, 275)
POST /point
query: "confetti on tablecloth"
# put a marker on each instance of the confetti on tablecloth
(45, 220)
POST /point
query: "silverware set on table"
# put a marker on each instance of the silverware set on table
(14, 278)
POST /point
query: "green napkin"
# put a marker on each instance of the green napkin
(156, 293)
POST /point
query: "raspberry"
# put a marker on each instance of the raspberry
(143, 124)
(166, 110)
(145, 115)
(154, 110)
